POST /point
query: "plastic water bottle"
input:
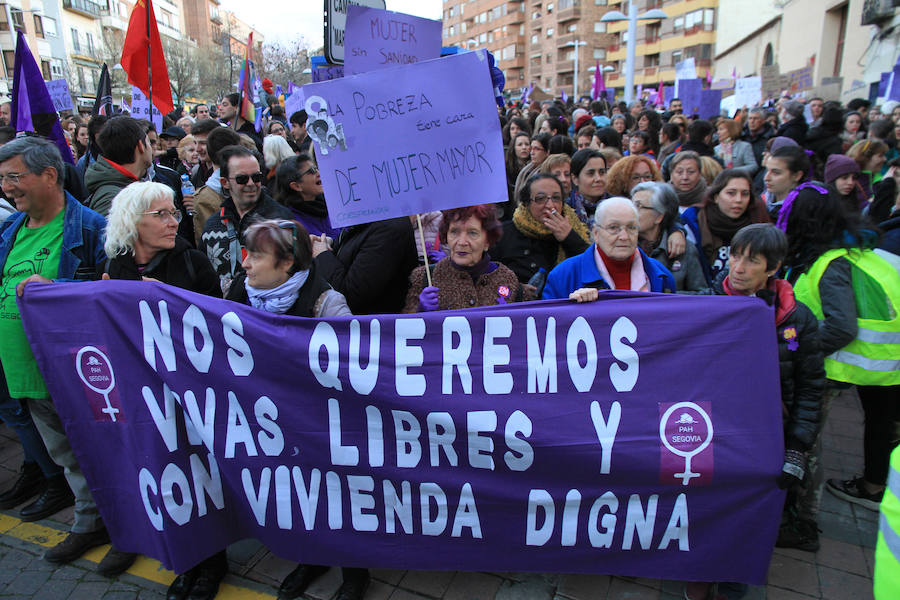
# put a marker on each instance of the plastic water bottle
(538, 280)
(187, 189)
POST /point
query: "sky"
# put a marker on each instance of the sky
(285, 21)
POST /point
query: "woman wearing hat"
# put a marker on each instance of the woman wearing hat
(842, 175)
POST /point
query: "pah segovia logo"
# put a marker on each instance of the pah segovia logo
(96, 373)
(686, 431)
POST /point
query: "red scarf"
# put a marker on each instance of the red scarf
(619, 270)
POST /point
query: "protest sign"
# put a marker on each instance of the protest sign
(141, 108)
(378, 39)
(772, 81)
(893, 85)
(710, 104)
(800, 79)
(748, 91)
(728, 105)
(336, 21)
(722, 84)
(327, 73)
(59, 93)
(686, 69)
(549, 436)
(398, 142)
(669, 93)
(883, 85)
(689, 92)
(295, 100)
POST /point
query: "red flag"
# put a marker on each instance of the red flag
(140, 39)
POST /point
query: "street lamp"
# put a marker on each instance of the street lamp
(576, 44)
(632, 18)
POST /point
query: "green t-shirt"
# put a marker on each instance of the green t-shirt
(35, 251)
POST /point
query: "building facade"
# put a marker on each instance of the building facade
(688, 32)
(836, 41)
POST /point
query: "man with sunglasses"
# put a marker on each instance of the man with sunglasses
(246, 201)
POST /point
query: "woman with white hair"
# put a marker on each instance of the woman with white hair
(275, 150)
(142, 242)
(613, 261)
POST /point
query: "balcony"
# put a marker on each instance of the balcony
(215, 18)
(563, 40)
(83, 7)
(565, 66)
(569, 14)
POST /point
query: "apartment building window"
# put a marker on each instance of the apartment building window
(599, 27)
(56, 68)
(600, 53)
(839, 47)
(462, 27)
(550, 8)
(90, 43)
(536, 15)
(482, 38)
(18, 20)
(534, 39)
(549, 82)
(599, 2)
(4, 18)
(678, 24)
(653, 33)
(452, 30)
(38, 26)
(9, 61)
(572, 29)
(45, 70)
(676, 57)
(564, 4)
(49, 26)
(651, 60)
(508, 53)
(490, 38)
(76, 43)
(570, 55)
(549, 58)
(549, 32)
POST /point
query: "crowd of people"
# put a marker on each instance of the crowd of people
(796, 204)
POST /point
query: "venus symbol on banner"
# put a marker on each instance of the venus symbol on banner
(688, 444)
(94, 366)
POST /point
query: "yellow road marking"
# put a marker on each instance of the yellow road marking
(144, 567)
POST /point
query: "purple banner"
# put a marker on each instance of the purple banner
(547, 436)
(397, 142)
(378, 39)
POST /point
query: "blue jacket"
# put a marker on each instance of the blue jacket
(581, 271)
(82, 244)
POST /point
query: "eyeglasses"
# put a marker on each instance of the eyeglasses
(293, 227)
(12, 177)
(165, 215)
(544, 199)
(616, 229)
(645, 177)
(312, 170)
(243, 179)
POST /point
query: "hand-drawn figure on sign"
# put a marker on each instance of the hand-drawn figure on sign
(321, 127)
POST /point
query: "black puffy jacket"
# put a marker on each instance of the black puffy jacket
(800, 362)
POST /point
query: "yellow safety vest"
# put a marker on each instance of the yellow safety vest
(873, 358)
(887, 549)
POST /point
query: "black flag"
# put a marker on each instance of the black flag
(103, 104)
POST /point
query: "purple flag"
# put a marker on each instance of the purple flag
(545, 436)
(32, 106)
(598, 86)
(562, 94)
(661, 95)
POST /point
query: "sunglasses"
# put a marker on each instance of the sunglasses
(243, 179)
(312, 170)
